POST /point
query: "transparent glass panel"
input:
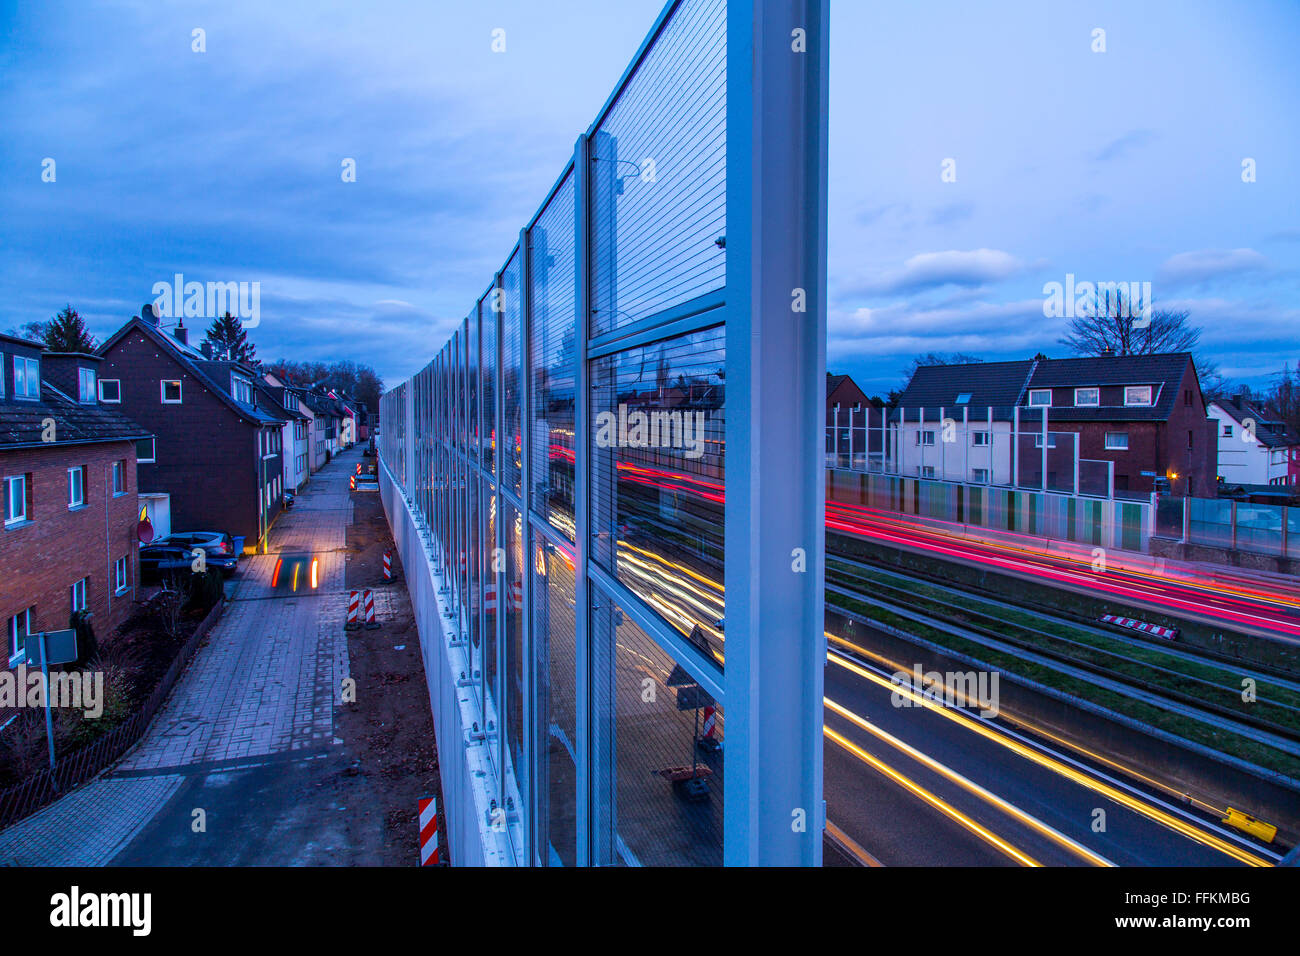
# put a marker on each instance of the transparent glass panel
(657, 478)
(554, 660)
(554, 360)
(659, 178)
(515, 690)
(657, 761)
(512, 371)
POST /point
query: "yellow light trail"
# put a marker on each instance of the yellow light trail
(985, 834)
(1058, 767)
(1013, 811)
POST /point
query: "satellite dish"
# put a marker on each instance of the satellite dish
(148, 314)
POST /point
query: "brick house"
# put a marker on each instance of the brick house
(68, 467)
(1144, 413)
(216, 451)
(848, 412)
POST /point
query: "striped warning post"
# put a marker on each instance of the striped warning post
(490, 598)
(352, 482)
(388, 564)
(710, 720)
(517, 596)
(369, 601)
(358, 468)
(354, 607)
(428, 831)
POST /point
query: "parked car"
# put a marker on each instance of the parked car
(160, 561)
(218, 547)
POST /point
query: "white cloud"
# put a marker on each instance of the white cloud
(1205, 264)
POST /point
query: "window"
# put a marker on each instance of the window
(1227, 431)
(110, 389)
(1038, 440)
(27, 377)
(1087, 396)
(86, 384)
(15, 499)
(241, 389)
(20, 625)
(1117, 441)
(121, 580)
(1189, 438)
(1187, 397)
(77, 486)
(119, 477)
(1137, 394)
(146, 451)
(79, 595)
(171, 391)
(963, 398)
(980, 438)
(1040, 397)
(979, 476)
(925, 437)
(926, 471)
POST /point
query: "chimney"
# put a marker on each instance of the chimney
(181, 332)
(206, 349)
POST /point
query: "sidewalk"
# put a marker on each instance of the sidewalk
(243, 765)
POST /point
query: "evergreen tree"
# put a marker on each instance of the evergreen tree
(227, 336)
(67, 332)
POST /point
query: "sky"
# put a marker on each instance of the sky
(226, 165)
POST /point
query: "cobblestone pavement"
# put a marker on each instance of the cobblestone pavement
(226, 772)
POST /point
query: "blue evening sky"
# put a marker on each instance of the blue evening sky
(225, 165)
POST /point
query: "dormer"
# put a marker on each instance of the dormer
(75, 374)
(20, 369)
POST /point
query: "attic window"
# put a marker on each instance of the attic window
(1137, 394)
(171, 391)
(1040, 397)
(963, 398)
(110, 390)
(86, 385)
(1087, 396)
(27, 377)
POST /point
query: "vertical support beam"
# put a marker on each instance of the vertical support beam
(504, 446)
(526, 775)
(1043, 476)
(582, 492)
(1015, 447)
(408, 445)
(776, 398)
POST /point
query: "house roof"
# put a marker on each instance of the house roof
(23, 423)
(1270, 432)
(1002, 385)
(207, 371)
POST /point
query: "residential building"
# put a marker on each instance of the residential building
(216, 452)
(293, 433)
(1142, 418)
(68, 479)
(1254, 448)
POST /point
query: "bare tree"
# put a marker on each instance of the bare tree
(1116, 327)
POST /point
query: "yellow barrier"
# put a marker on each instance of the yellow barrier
(1248, 824)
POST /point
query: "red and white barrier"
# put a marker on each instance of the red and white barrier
(490, 598)
(352, 482)
(358, 468)
(428, 831)
(369, 601)
(388, 565)
(710, 720)
(1168, 633)
(517, 596)
(354, 607)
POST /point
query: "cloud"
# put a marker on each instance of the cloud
(981, 327)
(933, 270)
(1191, 268)
(952, 212)
(1123, 145)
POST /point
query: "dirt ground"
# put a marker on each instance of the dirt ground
(390, 727)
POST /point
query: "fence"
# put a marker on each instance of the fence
(994, 446)
(588, 468)
(76, 768)
(1240, 526)
(1108, 523)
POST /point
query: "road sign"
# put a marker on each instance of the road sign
(60, 647)
(691, 696)
(679, 677)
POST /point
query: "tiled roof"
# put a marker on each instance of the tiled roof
(989, 383)
(22, 423)
(1270, 432)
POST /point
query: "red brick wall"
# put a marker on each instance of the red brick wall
(40, 561)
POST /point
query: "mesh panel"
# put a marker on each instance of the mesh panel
(488, 374)
(554, 657)
(554, 358)
(512, 355)
(657, 485)
(659, 175)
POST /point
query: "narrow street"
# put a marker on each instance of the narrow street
(255, 759)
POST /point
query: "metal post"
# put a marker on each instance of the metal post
(776, 378)
(1015, 447)
(1043, 477)
(524, 780)
(49, 713)
(582, 494)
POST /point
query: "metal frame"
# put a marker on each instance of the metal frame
(776, 136)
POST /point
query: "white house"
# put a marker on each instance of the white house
(1254, 447)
